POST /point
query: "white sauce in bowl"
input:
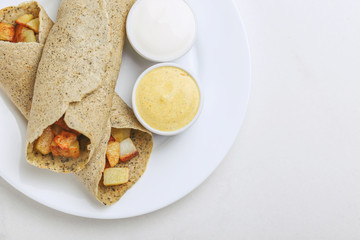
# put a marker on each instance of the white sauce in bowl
(161, 30)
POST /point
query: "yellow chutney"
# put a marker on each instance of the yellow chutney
(167, 98)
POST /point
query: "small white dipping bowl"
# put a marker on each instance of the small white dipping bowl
(156, 33)
(142, 121)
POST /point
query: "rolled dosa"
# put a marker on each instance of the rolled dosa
(121, 117)
(74, 80)
(19, 61)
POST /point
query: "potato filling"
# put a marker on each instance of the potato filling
(26, 29)
(59, 140)
(120, 148)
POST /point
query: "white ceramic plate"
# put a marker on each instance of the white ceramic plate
(178, 164)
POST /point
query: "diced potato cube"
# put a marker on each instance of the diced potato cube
(26, 35)
(127, 150)
(120, 134)
(113, 153)
(64, 139)
(73, 151)
(34, 25)
(116, 176)
(7, 32)
(24, 19)
(44, 141)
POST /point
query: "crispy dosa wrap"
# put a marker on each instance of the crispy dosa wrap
(122, 117)
(75, 81)
(19, 61)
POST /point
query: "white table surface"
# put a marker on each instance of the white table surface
(294, 170)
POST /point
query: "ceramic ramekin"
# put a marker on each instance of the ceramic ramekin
(144, 54)
(142, 121)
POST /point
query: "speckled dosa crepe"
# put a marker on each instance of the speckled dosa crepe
(121, 117)
(19, 61)
(74, 79)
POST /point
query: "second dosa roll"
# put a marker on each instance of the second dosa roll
(122, 117)
(74, 81)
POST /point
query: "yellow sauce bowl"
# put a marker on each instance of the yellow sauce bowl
(167, 99)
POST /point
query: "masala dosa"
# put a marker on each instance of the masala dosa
(121, 117)
(74, 80)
